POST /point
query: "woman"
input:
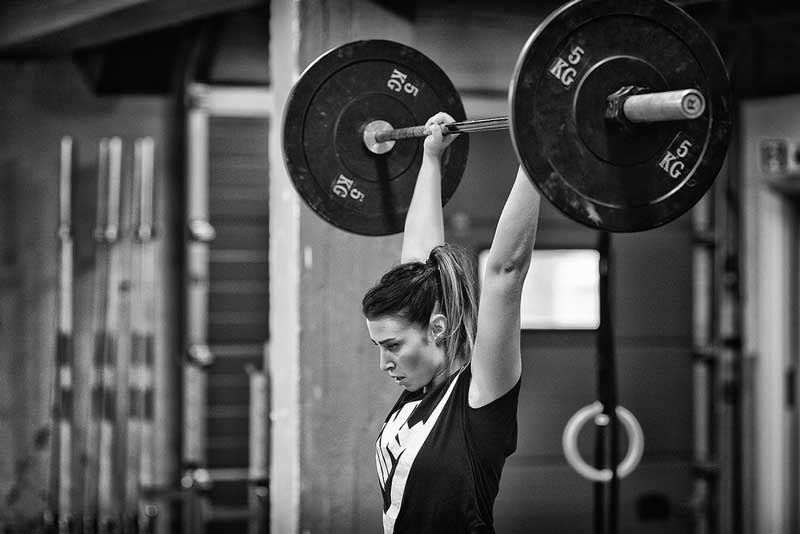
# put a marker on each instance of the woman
(442, 448)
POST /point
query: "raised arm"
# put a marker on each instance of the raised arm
(496, 359)
(424, 226)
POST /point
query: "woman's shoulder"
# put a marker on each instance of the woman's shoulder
(507, 400)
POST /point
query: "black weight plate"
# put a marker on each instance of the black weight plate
(335, 97)
(620, 178)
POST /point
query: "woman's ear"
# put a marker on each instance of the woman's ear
(438, 327)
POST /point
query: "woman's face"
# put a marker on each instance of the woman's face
(408, 353)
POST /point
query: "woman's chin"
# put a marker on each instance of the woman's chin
(411, 388)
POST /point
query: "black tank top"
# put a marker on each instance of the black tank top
(439, 460)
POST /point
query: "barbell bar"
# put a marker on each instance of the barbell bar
(619, 111)
(663, 106)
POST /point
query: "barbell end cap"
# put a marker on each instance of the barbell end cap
(370, 137)
(693, 104)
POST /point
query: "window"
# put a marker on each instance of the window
(561, 291)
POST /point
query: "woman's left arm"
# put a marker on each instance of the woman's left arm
(496, 359)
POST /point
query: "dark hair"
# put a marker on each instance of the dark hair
(412, 291)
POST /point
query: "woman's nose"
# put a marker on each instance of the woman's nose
(386, 362)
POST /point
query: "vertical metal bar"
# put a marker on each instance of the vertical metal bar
(710, 230)
(725, 385)
(606, 499)
(146, 509)
(794, 445)
(90, 515)
(134, 412)
(122, 379)
(703, 319)
(198, 353)
(729, 341)
(599, 488)
(61, 461)
(258, 452)
(731, 322)
(139, 379)
(613, 401)
(108, 505)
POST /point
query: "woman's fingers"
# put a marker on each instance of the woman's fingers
(440, 118)
(436, 131)
(436, 140)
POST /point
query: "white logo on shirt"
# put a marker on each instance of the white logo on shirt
(395, 451)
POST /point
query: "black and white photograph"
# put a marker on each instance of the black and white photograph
(399, 267)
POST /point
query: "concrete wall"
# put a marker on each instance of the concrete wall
(328, 395)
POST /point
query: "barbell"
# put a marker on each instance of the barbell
(619, 113)
(629, 104)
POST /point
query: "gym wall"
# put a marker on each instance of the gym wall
(43, 101)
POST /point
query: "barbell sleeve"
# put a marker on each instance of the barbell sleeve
(664, 106)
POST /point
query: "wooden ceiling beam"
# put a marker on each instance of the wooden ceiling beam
(57, 27)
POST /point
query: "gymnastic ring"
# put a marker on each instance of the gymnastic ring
(569, 442)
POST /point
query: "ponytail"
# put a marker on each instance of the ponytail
(459, 300)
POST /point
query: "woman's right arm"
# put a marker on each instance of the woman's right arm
(424, 226)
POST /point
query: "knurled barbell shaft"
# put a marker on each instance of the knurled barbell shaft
(412, 132)
(647, 107)
(481, 125)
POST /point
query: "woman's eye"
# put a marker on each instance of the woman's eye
(392, 347)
